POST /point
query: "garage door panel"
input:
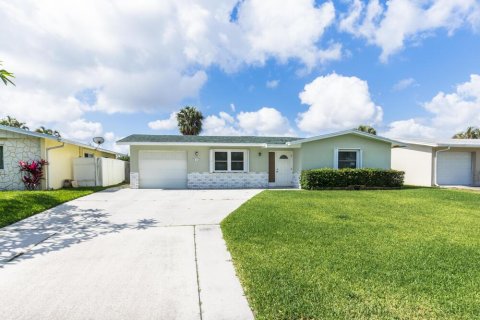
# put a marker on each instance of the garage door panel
(454, 168)
(163, 169)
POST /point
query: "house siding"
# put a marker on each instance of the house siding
(320, 153)
(417, 163)
(16, 147)
(60, 160)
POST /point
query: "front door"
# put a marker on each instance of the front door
(283, 168)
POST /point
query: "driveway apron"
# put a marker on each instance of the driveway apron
(124, 254)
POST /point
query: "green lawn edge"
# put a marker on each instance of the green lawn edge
(17, 205)
(440, 256)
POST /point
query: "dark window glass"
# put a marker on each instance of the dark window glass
(1, 157)
(221, 163)
(283, 156)
(220, 156)
(237, 156)
(221, 166)
(237, 166)
(347, 159)
(236, 161)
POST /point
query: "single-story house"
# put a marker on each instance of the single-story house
(437, 163)
(174, 161)
(22, 145)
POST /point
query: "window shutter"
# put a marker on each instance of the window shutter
(335, 158)
(360, 159)
(246, 161)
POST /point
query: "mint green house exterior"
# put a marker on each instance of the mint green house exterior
(163, 161)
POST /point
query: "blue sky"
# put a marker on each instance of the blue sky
(409, 68)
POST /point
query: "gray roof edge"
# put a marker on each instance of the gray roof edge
(47, 136)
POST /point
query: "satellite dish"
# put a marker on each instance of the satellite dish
(98, 140)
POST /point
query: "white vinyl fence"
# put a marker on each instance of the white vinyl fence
(103, 172)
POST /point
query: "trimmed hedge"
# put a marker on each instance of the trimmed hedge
(350, 178)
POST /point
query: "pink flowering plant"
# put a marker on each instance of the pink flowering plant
(32, 173)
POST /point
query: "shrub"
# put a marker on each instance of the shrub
(33, 173)
(350, 178)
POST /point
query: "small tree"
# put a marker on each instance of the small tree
(12, 122)
(470, 133)
(189, 121)
(5, 75)
(49, 132)
(367, 129)
(32, 173)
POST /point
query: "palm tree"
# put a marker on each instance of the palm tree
(5, 75)
(367, 129)
(189, 121)
(51, 132)
(470, 133)
(12, 122)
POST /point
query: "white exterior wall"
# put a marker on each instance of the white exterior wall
(109, 171)
(417, 162)
(112, 171)
(16, 147)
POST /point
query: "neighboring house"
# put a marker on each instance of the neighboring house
(437, 163)
(23, 145)
(172, 161)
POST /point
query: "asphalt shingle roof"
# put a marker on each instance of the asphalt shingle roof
(207, 139)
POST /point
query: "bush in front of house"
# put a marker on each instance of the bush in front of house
(32, 173)
(350, 178)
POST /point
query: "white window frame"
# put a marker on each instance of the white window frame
(358, 151)
(229, 160)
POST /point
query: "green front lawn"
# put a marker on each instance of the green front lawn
(18, 205)
(399, 254)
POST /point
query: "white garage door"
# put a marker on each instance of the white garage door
(454, 168)
(162, 169)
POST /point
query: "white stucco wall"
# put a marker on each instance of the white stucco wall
(417, 163)
(16, 147)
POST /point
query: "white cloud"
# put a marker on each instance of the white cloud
(337, 102)
(287, 29)
(232, 107)
(391, 25)
(263, 122)
(271, 84)
(404, 84)
(165, 124)
(130, 54)
(221, 125)
(82, 130)
(410, 128)
(450, 113)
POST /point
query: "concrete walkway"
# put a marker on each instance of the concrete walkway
(124, 254)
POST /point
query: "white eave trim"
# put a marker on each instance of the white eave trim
(345, 132)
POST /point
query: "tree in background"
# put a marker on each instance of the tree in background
(189, 121)
(367, 129)
(48, 131)
(5, 75)
(470, 133)
(13, 122)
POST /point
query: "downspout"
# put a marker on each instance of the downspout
(47, 182)
(435, 165)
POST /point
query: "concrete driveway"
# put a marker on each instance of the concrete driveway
(124, 254)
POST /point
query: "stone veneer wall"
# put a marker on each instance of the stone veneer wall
(207, 180)
(16, 147)
(134, 183)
